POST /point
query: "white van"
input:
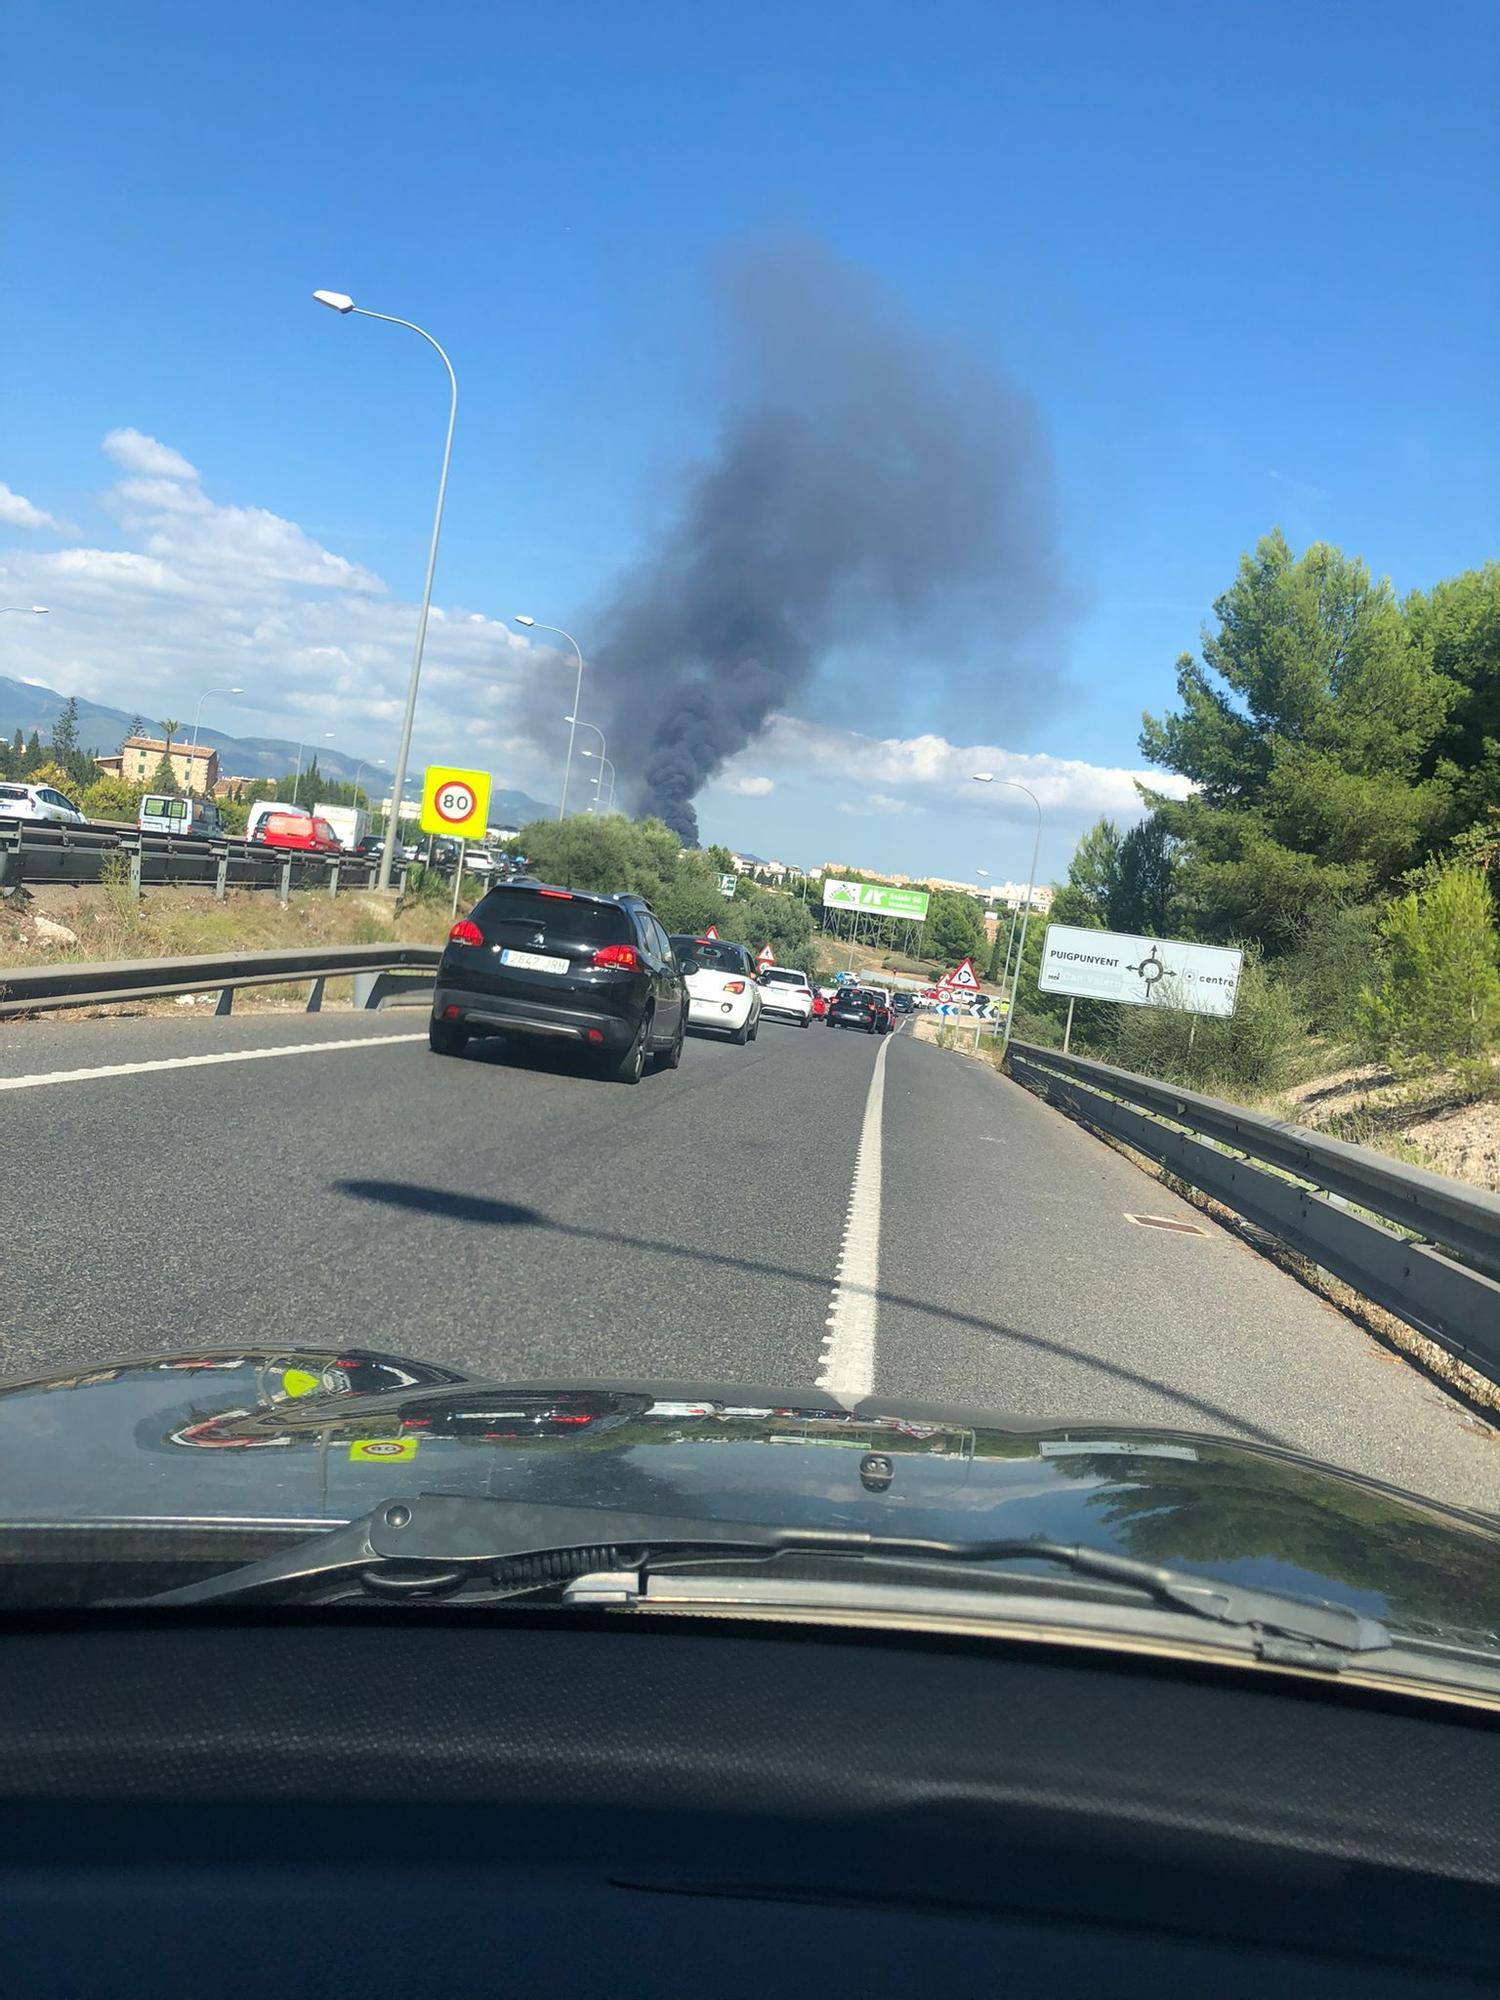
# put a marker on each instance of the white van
(161, 812)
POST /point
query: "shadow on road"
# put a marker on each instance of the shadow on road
(492, 1214)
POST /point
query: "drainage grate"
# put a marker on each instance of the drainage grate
(1166, 1222)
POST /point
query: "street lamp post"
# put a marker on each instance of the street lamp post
(27, 610)
(340, 302)
(532, 625)
(359, 770)
(989, 778)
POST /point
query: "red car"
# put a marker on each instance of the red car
(305, 833)
(820, 1005)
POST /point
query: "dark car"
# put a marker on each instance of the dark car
(857, 1007)
(562, 965)
(903, 1004)
(371, 845)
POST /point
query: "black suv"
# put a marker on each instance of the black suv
(854, 1007)
(563, 965)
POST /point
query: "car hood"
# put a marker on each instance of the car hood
(313, 1437)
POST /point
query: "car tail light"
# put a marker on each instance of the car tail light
(625, 956)
(596, 1034)
(557, 895)
(466, 932)
(450, 1013)
(734, 985)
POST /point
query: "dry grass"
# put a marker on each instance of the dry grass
(109, 924)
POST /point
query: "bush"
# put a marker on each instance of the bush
(1257, 1050)
(1329, 966)
(1437, 1000)
(111, 798)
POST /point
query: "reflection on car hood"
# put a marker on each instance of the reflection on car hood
(314, 1436)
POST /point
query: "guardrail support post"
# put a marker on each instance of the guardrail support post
(286, 882)
(315, 997)
(366, 987)
(333, 878)
(221, 879)
(11, 862)
(135, 871)
(225, 1001)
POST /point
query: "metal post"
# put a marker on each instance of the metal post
(1036, 848)
(458, 877)
(135, 871)
(398, 775)
(225, 1003)
(1192, 1033)
(315, 997)
(1068, 1030)
(333, 876)
(286, 882)
(221, 878)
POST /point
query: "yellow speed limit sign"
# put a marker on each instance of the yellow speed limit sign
(456, 802)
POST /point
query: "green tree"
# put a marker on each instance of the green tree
(954, 929)
(169, 729)
(1304, 729)
(164, 778)
(1437, 1000)
(65, 733)
(35, 755)
(109, 798)
(1141, 896)
(1094, 871)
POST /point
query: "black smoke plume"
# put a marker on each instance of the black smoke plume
(870, 488)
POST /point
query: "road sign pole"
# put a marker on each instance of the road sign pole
(1068, 1030)
(463, 855)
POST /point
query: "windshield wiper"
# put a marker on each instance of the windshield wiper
(433, 1543)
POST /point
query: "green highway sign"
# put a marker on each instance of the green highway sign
(875, 896)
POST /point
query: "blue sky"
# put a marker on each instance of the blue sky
(1242, 258)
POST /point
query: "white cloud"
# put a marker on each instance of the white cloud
(197, 592)
(16, 511)
(929, 771)
(135, 452)
(751, 787)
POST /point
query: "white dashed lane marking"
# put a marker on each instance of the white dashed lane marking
(200, 1062)
(848, 1363)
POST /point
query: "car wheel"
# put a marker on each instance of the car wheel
(741, 1034)
(754, 1029)
(807, 1020)
(631, 1066)
(670, 1058)
(444, 1038)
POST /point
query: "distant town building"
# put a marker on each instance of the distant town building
(232, 788)
(194, 765)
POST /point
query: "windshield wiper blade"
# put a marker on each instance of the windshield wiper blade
(432, 1542)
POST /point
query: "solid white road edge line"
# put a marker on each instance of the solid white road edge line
(847, 1367)
(201, 1062)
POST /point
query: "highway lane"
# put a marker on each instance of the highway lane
(513, 1215)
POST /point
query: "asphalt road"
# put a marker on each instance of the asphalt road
(756, 1216)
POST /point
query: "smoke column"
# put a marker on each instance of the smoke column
(869, 485)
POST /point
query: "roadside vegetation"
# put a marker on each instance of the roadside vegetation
(1343, 750)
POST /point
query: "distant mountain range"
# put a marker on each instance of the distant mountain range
(26, 706)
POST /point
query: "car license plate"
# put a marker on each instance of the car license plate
(533, 961)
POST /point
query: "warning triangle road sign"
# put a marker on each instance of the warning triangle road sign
(964, 979)
(765, 956)
(712, 931)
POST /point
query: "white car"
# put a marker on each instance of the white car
(786, 991)
(18, 801)
(720, 979)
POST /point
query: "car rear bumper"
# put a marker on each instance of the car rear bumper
(729, 1011)
(560, 1019)
(788, 1010)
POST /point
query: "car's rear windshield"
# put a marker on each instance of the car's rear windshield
(781, 977)
(558, 914)
(710, 953)
(13, 792)
(851, 996)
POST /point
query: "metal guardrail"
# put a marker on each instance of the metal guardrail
(1424, 1247)
(41, 988)
(36, 851)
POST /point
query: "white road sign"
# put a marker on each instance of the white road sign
(1139, 971)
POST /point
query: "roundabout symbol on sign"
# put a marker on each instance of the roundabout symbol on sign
(455, 803)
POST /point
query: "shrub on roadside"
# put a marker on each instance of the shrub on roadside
(1437, 999)
(1260, 1048)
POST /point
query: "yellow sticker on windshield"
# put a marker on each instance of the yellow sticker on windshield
(377, 1448)
(298, 1382)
